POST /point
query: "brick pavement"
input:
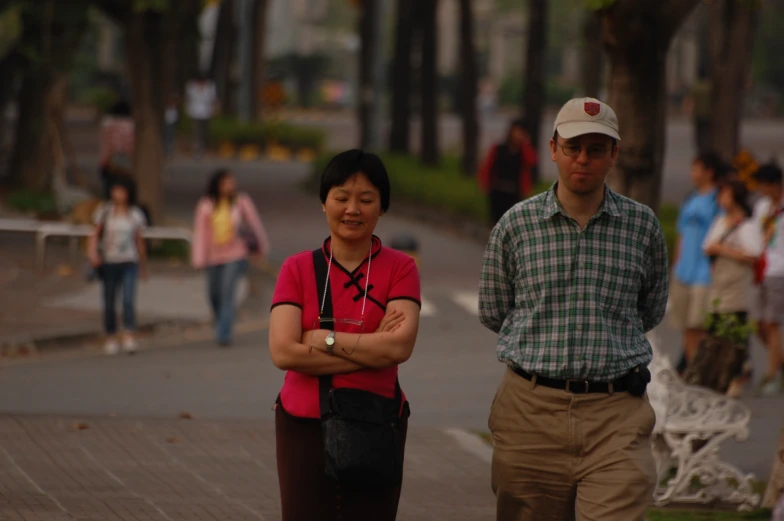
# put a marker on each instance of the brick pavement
(193, 470)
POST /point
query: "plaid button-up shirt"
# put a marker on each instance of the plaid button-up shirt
(573, 303)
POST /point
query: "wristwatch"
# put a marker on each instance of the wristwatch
(330, 341)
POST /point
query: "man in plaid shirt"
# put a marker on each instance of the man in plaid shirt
(572, 279)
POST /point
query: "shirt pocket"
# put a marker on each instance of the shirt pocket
(617, 286)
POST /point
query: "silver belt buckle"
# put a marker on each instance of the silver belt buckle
(584, 382)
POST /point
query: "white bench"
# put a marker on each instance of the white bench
(691, 424)
(45, 229)
(84, 230)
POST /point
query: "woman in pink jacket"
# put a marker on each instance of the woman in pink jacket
(227, 231)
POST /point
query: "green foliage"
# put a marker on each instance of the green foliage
(263, 134)
(666, 514)
(102, 98)
(10, 29)
(727, 326)
(150, 5)
(169, 249)
(598, 5)
(510, 92)
(31, 202)
(767, 65)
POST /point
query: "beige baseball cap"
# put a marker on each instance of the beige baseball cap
(586, 116)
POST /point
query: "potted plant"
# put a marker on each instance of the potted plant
(722, 352)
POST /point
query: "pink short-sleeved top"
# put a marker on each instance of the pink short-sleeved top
(393, 276)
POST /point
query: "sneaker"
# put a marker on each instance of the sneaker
(770, 386)
(129, 344)
(111, 347)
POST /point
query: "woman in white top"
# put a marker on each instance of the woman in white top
(733, 245)
(118, 235)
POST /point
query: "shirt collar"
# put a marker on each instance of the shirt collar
(551, 206)
(375, 246)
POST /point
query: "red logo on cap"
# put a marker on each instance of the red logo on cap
(592, 108)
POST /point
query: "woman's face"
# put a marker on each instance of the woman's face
(519, 136)
(119, 195)
(725, 199)
(228, 186)
(353, 209)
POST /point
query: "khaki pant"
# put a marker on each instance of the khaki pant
(553, 449)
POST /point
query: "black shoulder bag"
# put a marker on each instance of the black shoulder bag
(360, 430)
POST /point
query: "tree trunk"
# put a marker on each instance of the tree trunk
(536, 53)
(223, 56)
(400, 133)
(52, 34)
(9, 65)
(637, 36)
(592, 56)
(468, 89)
(429, 82)
(259, 14)
(31, 160)
(366, 91)
(142, 32)
(735, 26)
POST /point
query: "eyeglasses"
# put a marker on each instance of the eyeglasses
(593, 151)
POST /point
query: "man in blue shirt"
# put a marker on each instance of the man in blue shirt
(691, 276)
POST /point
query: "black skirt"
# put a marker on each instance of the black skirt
(306, 494)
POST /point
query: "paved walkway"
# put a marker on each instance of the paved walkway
(107, 469)
(68, 307)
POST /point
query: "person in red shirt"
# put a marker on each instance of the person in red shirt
(375, 298)
(505, 175)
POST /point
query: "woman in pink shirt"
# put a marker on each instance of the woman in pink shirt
(227, 230)
(344, 316)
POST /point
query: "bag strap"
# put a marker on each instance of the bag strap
(320, 268)
(102, 222)
(325, 381)
(728, 233)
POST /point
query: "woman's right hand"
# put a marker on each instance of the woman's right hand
(390, 322)
(95, 260)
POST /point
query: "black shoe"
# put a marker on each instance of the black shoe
(224, 343)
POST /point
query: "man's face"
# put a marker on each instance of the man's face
(583, 161)
(768, 189)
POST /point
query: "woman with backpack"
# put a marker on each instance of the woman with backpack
(118, 253)
(227, 231)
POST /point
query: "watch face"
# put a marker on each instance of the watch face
(330, 340)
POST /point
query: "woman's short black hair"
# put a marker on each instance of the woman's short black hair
(213, 186)
(346, 164)
(711, 160)
(128, 184)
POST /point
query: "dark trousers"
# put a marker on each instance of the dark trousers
(500, 203)
(115, 276)
(306, 493)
